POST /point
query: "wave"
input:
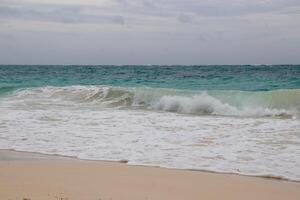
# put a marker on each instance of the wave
(6, 89)
(278, 103)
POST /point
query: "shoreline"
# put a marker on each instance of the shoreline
(38, 176)
(45, 156)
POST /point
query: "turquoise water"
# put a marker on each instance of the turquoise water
(245, 78)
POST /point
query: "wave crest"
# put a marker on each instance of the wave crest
(198, 104)
(280, 103)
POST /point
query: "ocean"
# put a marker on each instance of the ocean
(229, 119)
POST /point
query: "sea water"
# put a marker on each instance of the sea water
(233, 119)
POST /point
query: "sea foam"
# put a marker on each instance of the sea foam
(253, 133)
(280, 103)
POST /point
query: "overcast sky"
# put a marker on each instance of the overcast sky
(149, 32)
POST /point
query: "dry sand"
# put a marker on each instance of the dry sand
(37, 177)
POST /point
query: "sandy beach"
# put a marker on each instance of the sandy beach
(41, 177)
(149, 100)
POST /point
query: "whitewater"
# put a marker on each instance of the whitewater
(250, 128)
(160, 127)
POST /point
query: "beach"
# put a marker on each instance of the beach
(149, 100)
(37, 176)
(209, 118)
(149, 132)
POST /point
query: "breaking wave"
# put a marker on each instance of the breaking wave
(277, 103)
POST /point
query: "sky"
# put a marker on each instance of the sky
(143, 32)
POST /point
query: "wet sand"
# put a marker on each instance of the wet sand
(41, 177)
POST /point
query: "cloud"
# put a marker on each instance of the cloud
(184, 18)
(144, 31)
(221, 8)
(121, 11)
(6, 36)
(149, 4)
(56, 13)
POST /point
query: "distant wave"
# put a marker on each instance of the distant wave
(277, 103)
(5, 89)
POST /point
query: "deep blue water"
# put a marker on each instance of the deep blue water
(246, 78)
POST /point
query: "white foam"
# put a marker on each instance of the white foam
(284, 103)
(51, 123)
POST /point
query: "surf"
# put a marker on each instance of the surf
(284, 103)
(244, 132)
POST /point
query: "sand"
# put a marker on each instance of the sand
(38, 177)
